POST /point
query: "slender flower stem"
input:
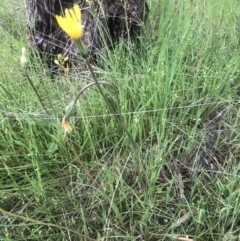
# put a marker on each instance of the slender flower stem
(34, 89)
(89, 85)
(118, 117)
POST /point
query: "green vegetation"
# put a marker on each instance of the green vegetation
(179, 94)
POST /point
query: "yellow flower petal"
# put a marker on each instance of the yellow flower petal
(61, 22)
(68, 16)
(66, 59)
(71, 24)
(56, 62)
(59, 56)
(77, 12)
(73, 16)
(66, 69)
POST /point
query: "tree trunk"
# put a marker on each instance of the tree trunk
(105, 22)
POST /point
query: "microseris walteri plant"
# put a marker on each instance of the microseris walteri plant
(71, 24)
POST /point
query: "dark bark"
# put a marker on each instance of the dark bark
(105, 22)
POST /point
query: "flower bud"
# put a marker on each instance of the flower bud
(23, 60)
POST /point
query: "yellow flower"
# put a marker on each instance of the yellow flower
(66, 125)
(71, 24)
(62, 63)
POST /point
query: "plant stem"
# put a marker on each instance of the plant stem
(118, 117)
(34, 89)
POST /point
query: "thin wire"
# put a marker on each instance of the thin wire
(38, 115)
